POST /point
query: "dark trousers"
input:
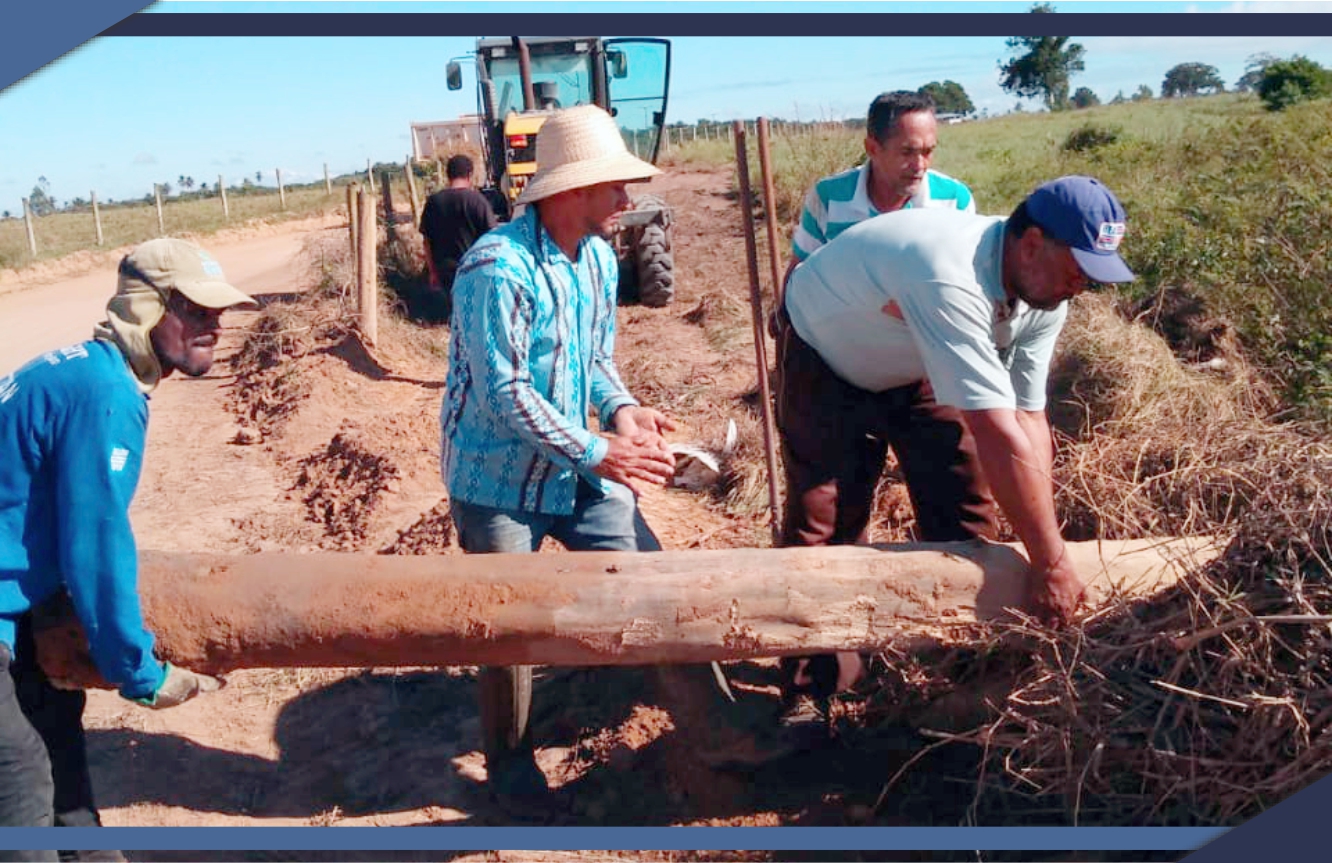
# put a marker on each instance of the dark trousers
(44, 778)
(835, 439)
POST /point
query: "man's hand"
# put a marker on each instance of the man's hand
(1056, 591)
(637, 462)
(179, 686)
(634, 421)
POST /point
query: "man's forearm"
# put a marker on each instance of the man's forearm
(1018, 474)
(1036, 426)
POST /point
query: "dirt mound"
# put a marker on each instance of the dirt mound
(342, 485)
(432, 533)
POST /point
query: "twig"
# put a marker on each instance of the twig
(1202, 695)
(1188, 642)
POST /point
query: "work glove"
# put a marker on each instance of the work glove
(178, 686)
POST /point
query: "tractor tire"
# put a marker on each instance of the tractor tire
(655, 266)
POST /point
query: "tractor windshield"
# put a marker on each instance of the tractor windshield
(570, 75)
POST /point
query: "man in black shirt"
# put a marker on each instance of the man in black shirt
(452, 220)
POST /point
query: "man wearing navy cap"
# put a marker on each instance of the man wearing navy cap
(932, 331)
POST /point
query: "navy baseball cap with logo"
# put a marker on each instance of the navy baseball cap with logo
(1084, 215)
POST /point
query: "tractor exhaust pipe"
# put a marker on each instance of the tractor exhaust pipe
(525, 73)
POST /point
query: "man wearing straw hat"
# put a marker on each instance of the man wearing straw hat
(72, 428)
(533, 338)
(932, 331)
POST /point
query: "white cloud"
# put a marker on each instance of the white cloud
(1271, 6)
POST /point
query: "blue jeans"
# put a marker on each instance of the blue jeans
(599, 522)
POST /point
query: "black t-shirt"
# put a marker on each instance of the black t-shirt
(451, 222)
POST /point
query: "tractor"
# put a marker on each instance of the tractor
(520, 81)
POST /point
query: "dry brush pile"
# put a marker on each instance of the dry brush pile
(1209, 703)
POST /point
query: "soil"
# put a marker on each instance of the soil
(337, 449)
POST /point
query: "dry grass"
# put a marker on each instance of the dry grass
(1204, 705)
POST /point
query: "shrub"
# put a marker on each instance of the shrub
(1090, 137)
(1288, 82)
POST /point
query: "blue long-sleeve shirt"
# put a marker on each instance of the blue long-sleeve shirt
(533, 335)
(72, 429)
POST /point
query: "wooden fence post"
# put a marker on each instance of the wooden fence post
(353, 217)
(386, 188)
(328, 184)
(222, 192)
(370, 176)
(27, 222)
(411, 193)
(282, 192)
(161, 223)
(97, 217)
(367, 271)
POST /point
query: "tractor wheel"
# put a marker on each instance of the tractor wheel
(655, 266)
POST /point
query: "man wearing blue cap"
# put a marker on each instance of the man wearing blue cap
(932, 331)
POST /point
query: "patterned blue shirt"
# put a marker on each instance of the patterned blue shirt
(533, 335)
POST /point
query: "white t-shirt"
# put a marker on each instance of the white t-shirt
(918, 294)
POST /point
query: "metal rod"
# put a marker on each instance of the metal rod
(756, 309)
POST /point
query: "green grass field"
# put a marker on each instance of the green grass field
(1226, 200)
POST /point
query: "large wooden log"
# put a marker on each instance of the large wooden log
(216, 613)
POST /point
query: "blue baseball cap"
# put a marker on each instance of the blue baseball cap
(1084, 215)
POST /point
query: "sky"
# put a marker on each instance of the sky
(118, 114)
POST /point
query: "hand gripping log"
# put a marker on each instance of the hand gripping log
(215, 613)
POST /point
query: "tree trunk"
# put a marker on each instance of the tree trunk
(215, 613)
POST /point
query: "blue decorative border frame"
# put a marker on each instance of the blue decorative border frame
(35, 32)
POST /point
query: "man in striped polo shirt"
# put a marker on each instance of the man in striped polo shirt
(900, 140)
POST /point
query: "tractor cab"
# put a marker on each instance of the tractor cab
(520, 81)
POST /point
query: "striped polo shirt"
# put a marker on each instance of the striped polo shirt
(842, 200)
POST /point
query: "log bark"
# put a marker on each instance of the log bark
(216, 613)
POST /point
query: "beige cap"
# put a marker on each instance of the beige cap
(170, 264)
(581, 147)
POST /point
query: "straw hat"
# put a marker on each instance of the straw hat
(581, 147)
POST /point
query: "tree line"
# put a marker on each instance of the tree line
(1041, 67)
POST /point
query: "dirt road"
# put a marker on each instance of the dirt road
(354, 468)
(41, 311)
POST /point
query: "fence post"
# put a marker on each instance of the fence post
(27, 222)
(367, 271)
(282, 192)
(353, 217)
(97, 217)
(386, 188)
(222, 191)
(411, 192)
(370, 177)
(161, 223)
(328, 184)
